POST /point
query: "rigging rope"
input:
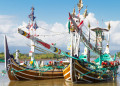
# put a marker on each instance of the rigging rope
(90, 31)
(92, 35)
(40, 49)
(53, 34)
(88, 36)
(52, 31)
(62, 38)
(6, 33)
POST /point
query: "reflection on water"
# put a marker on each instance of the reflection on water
(4, 81)
(52, 82)
(56, 82)
(92, 84)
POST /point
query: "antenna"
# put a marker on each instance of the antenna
(102, 22)
(97, 23)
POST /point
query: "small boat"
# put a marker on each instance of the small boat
(2, 60)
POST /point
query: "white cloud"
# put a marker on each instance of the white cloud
(56, 33)
(114, 34)
(93, 21)
(9, 26)
(51, 33)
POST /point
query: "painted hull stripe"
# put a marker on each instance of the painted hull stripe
(38, 76)
(33, 71)
(81, 66)
(29, 74)
(87, 75)
(66, 73)
(15, 76)
(23, 77)
(85, 79)
(68, 79)
(85, 69)
(66, 68)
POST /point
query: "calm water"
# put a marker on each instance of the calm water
(4, 81)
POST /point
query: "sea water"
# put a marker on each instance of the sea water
(4, 81)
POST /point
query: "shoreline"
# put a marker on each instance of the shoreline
(35, 59)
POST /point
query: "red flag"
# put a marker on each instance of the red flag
(31, 25)
(80, 23)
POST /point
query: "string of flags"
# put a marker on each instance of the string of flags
(35, 26)
(71, 27)
(54, 44)
(32, 18)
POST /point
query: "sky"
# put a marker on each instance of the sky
(53, 16)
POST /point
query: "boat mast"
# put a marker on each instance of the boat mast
(109, 26)
(99, 39)
(107, 47)
(32, 41)
(32, 30)
(75, 40)
(88, 50)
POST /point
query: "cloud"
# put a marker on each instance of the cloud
(8, 26)
(114, 34)
(52, 33)
(49, 33)
(93, 21)
(114, 31)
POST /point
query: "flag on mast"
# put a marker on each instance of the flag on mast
(28, 26)
(31, 16)
(35, 26)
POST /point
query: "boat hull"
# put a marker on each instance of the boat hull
(83, 74)
(18, 72)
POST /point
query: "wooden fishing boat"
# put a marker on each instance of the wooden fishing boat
(81, 69)
(82, 73)
(19, 72)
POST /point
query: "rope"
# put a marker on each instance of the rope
(42, 69)
(61, 39)
(52, 31)
(40, 49)
(6, 33)
(99, 70)
(93, 35)
(87, 36)
(90, 31)
(53, 34)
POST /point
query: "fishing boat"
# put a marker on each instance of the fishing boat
(81, 69)
(2, 60)
(22, 71)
